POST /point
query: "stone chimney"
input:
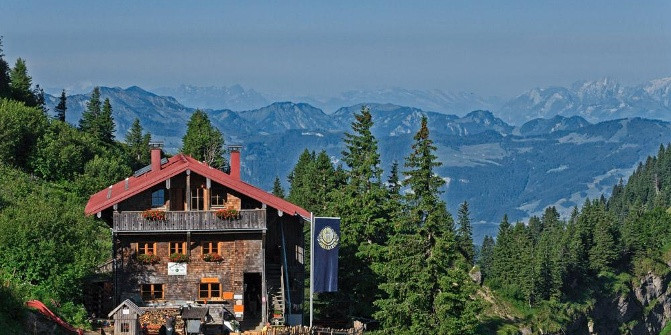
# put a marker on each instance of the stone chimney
(156, 155)
(235, 161)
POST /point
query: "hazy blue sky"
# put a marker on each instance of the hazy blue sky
(318, 47)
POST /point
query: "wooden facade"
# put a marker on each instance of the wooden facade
(189, 254)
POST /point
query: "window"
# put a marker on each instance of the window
(178, 248)
(151, 291)
(197, 202)
(209, 290)
(210, 248)
(218, 197)
(146, 248)
(158, 198)
(125, 327)
(299, 254)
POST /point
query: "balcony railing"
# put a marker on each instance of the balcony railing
(248, 219)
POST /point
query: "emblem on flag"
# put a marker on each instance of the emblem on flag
(328, 238)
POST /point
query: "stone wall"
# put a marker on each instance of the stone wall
(241, 252)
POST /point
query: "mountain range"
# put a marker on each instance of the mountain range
(499, 168)
(596, 100)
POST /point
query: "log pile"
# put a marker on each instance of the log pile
(155, 318)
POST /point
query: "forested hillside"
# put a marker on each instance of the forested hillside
(48, 169)
(603, 269)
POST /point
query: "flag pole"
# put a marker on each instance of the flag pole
(312, 263)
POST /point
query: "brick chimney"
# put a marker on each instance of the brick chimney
(235, 161)
(156, 155)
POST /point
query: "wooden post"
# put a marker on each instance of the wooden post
(188, 190)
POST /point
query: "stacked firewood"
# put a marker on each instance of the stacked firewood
(155, 318)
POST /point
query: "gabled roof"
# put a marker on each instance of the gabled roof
(131, 305)
(177, 164)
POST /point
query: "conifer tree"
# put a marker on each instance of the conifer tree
(21, 84)
(138, 145)
(427, 288)
(203, 141)
(61, 108)
(394, 183)
(5, 89)
(299, 181)
(465, 234)
(361, 154)
(89, 120)
(278, 191)
(106, 124)
(364, 207)
(486, 255)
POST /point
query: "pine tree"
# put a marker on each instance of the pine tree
(465, 234)
(88, 122)
(203, 141)
(5, 89)
(61, 108)
(97, 119)
(138, 145)
(427, 288)
(486, 254)
(364, 207)
(21, 84)
(278, 191)
(361, 154)
(394, 183)
(106, 124)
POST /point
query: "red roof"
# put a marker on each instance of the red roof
(179, 163)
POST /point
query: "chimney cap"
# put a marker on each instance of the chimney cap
(156, 144)
(234, 147)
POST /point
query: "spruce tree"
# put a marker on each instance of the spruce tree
(300, 181)
(106, 124)
(203, 141)
(394, 183)
(61, 108)
(138, 145)
(21, 84)
(465, 234)
(89, 120)
(278, 191)
(427, 287)
(364, 207)
(486, 254)
(5, 89)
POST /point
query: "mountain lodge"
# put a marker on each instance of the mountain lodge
(185, 233)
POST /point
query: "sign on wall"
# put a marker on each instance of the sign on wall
(176, 269)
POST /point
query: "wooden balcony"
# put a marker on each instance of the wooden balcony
(248, 219)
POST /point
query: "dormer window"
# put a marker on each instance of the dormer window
(158, 198)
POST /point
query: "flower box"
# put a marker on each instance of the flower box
(179, 258)
(153, 215)
(212, 257)
(227, 214)
(148, 258)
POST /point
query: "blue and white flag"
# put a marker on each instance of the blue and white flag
(326, 239)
